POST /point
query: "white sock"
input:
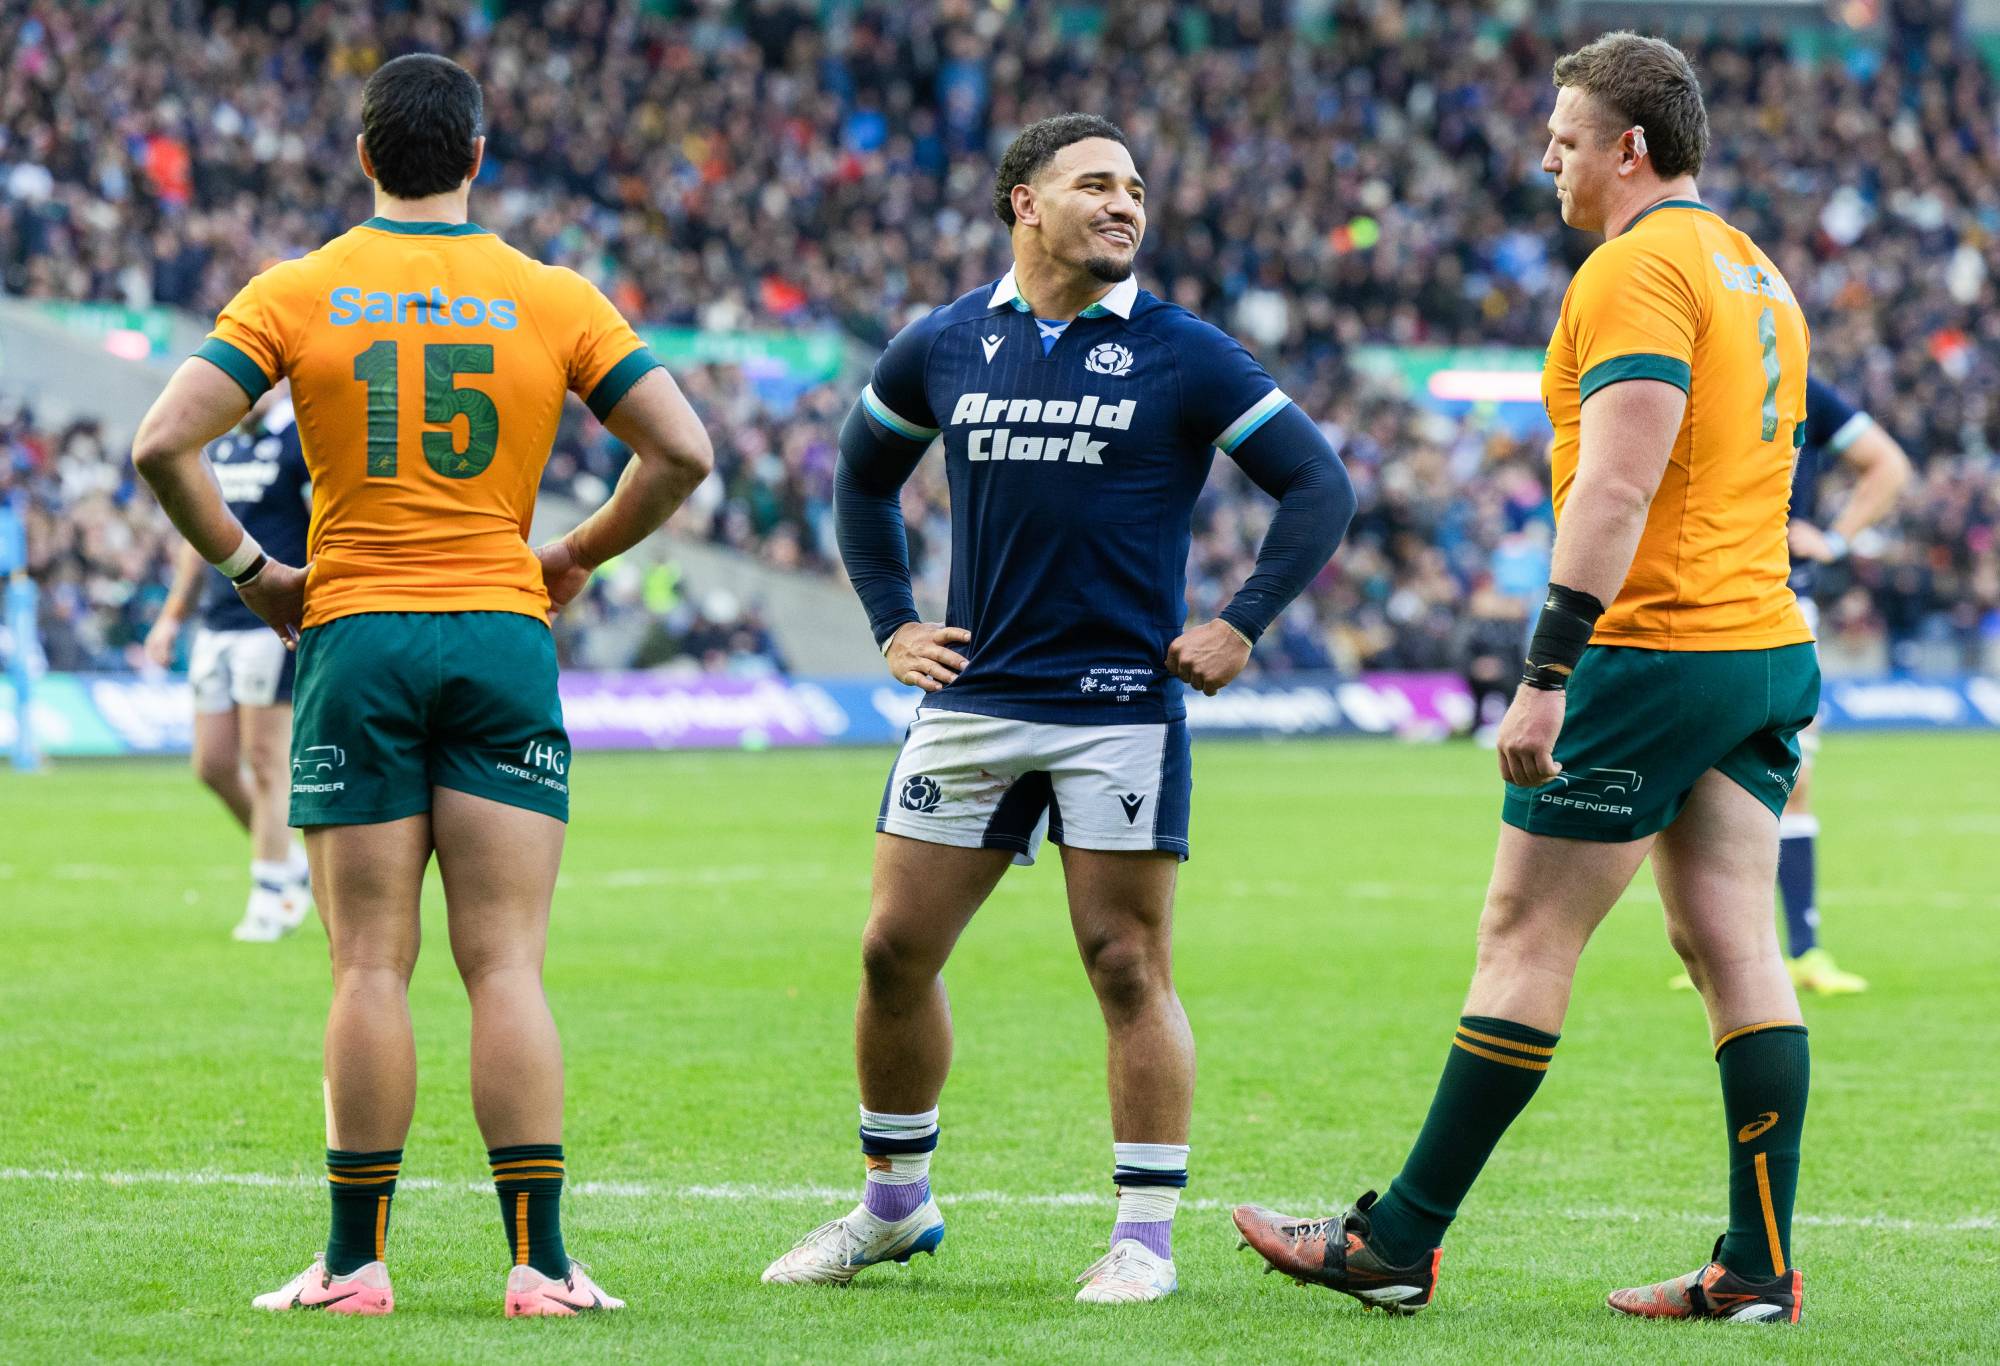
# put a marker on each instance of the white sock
(1150, 1177)
(899, 1169)
(266, 873)
(295, 864)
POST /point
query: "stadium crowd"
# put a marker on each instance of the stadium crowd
(760, 165)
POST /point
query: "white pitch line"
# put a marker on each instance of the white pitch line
(754, 1194)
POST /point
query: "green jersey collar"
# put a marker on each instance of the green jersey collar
(1667, 204)
(381, 224)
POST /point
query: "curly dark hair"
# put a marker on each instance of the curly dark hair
(1035, 146)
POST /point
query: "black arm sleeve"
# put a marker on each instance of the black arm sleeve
(868, 519)
(1290, 459)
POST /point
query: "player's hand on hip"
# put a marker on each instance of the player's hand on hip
(1527, 740)
(160, 640)
(1209, 656)
(563, 574)
(278, 595)
(920, 654)
(1808, 542)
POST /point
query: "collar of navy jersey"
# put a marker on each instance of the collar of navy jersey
(1123, 295)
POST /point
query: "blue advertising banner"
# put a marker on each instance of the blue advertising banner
(111, 714)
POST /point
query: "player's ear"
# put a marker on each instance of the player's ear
(478, 156)
(1632, 145)
(1026, 209)
(361, 151)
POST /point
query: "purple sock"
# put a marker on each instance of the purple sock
(1156, 1238)
(893, 1203)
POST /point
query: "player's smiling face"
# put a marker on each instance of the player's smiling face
(1092, 207)
(1582, 159)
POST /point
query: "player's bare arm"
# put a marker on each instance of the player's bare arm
(1628, 431)
(181, 593)
(1882, 470)
(199, 404)
(671, 455)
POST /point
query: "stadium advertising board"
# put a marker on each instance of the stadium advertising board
(108, 714)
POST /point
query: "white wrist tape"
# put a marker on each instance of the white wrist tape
(241, 558)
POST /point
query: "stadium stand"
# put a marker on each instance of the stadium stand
(764, 165)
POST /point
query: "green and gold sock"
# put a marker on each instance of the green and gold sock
(1491, 1072)
(529, 1177)
(362, 1185)
(1765, 1072)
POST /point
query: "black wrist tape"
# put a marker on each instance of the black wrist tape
(1561, 632)
(255, 568)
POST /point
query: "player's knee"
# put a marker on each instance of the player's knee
(1507, 920)
(269, 764)
(1687, 948)
(891, 965)
(373, 969)
(217, 771)
(505, 971)
(1125, 972)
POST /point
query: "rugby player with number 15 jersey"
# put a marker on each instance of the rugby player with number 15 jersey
(430, 363)
(1079, 417)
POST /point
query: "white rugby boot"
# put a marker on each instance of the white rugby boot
(835, 1252)
(1131, 1272)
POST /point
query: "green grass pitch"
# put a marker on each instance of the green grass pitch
(160, 1115)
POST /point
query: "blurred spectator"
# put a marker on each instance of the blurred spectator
(795, 164)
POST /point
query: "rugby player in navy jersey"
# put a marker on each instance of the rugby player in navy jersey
(1837, 433)
(1079, 416)
(239, 671)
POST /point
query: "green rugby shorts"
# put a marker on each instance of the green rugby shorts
(389, 705)
(1642, 725)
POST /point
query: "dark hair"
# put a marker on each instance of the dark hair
(1031, 151)
(1648, 82)
(419, 117)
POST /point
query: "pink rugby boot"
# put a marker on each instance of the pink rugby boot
(530, 1294)
(362, 1291)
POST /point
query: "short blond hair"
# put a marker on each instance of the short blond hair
(1648, 82)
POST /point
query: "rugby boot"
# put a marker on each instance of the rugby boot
(1334, 1252)
(1716, 1292)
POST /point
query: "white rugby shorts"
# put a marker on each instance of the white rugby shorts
(990, 782)
(238, 669)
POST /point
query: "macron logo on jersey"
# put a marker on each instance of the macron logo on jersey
(435, 308)
(1002, 443)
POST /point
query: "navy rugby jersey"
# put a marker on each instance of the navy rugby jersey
(264, 481)
(1074, 465)
(1832, 424)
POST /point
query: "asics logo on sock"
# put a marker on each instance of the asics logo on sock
(1757, 1126)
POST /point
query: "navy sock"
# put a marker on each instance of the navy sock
(1797, 882)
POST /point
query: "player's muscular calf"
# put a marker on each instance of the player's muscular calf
(1209, 657)
(920, 654)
